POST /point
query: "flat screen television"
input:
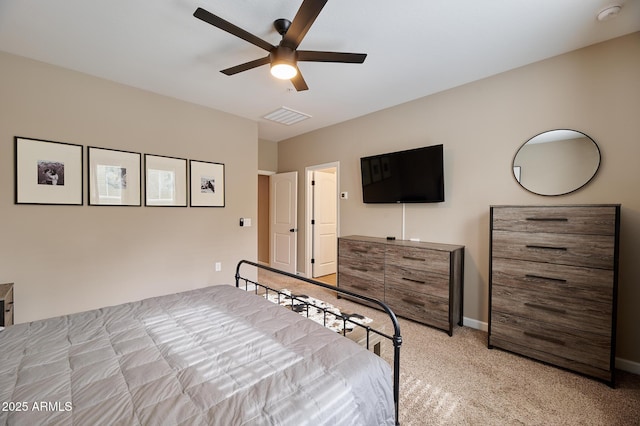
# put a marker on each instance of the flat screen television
(411, 176)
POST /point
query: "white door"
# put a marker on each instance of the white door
(283, 217)
(324, 224)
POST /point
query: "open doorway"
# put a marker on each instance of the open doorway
(264, 252)
(322, 217)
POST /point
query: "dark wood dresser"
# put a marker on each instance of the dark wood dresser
(6, 304)
(420, 281)
(553, 285)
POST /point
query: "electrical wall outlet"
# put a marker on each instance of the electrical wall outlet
(218, 266)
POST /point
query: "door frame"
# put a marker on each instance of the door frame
(308, 210)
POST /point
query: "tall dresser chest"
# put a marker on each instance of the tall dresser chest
(553, 285)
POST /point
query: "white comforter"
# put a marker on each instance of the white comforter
(216, 356)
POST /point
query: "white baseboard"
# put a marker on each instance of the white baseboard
(473, 323)
(628, 366)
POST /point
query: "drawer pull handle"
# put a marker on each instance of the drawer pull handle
(359, 269)
(8, 310)
(548, 219)
(414, 281)
(546, 247)
(419, 259)
(412, 302)
(545, 308)
(360, 251)
(540, 277)
(546, 338)
(359, 287)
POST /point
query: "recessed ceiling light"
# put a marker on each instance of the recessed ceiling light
(609, 12)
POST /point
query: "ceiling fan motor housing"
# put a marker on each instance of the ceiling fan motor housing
(283, 54)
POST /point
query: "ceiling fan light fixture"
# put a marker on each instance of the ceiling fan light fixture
(283, 63)
(283, 71)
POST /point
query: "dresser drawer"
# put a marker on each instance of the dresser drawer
(591, 251)
(417, 258)
(361, 250)
(360, 276)
(426, 309)
(535, 337)
(560, 310)
(400, 278)
(358, 280)
(590, 220)
(577, 282)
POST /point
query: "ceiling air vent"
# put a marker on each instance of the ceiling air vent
(286, 116)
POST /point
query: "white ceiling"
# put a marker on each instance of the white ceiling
(415, 48)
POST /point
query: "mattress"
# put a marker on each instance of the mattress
(212, 356)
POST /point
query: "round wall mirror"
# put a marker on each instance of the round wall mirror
(556, 162)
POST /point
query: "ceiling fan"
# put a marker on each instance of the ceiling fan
(284, 57)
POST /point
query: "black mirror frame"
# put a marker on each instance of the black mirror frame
(564, 193)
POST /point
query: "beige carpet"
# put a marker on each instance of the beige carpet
(458, 381)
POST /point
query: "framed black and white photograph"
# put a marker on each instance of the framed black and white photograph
(207, 184)
(48, 172)
(165, 181)
(114, 177)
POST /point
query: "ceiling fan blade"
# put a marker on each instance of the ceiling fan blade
(305, 17)
(298, 82)
(316, 56)
(218, 22)
(246, 66)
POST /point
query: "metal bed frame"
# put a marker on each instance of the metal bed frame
(396, 338)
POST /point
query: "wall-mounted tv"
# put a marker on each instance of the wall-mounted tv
(411, 176)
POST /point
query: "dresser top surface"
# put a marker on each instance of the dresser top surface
(405, 243)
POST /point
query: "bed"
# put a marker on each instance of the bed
(217, 355)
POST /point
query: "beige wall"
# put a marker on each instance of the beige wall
(267, 155)
(65, 259)
(594, 90)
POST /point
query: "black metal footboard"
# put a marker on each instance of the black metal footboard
(396, 338)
